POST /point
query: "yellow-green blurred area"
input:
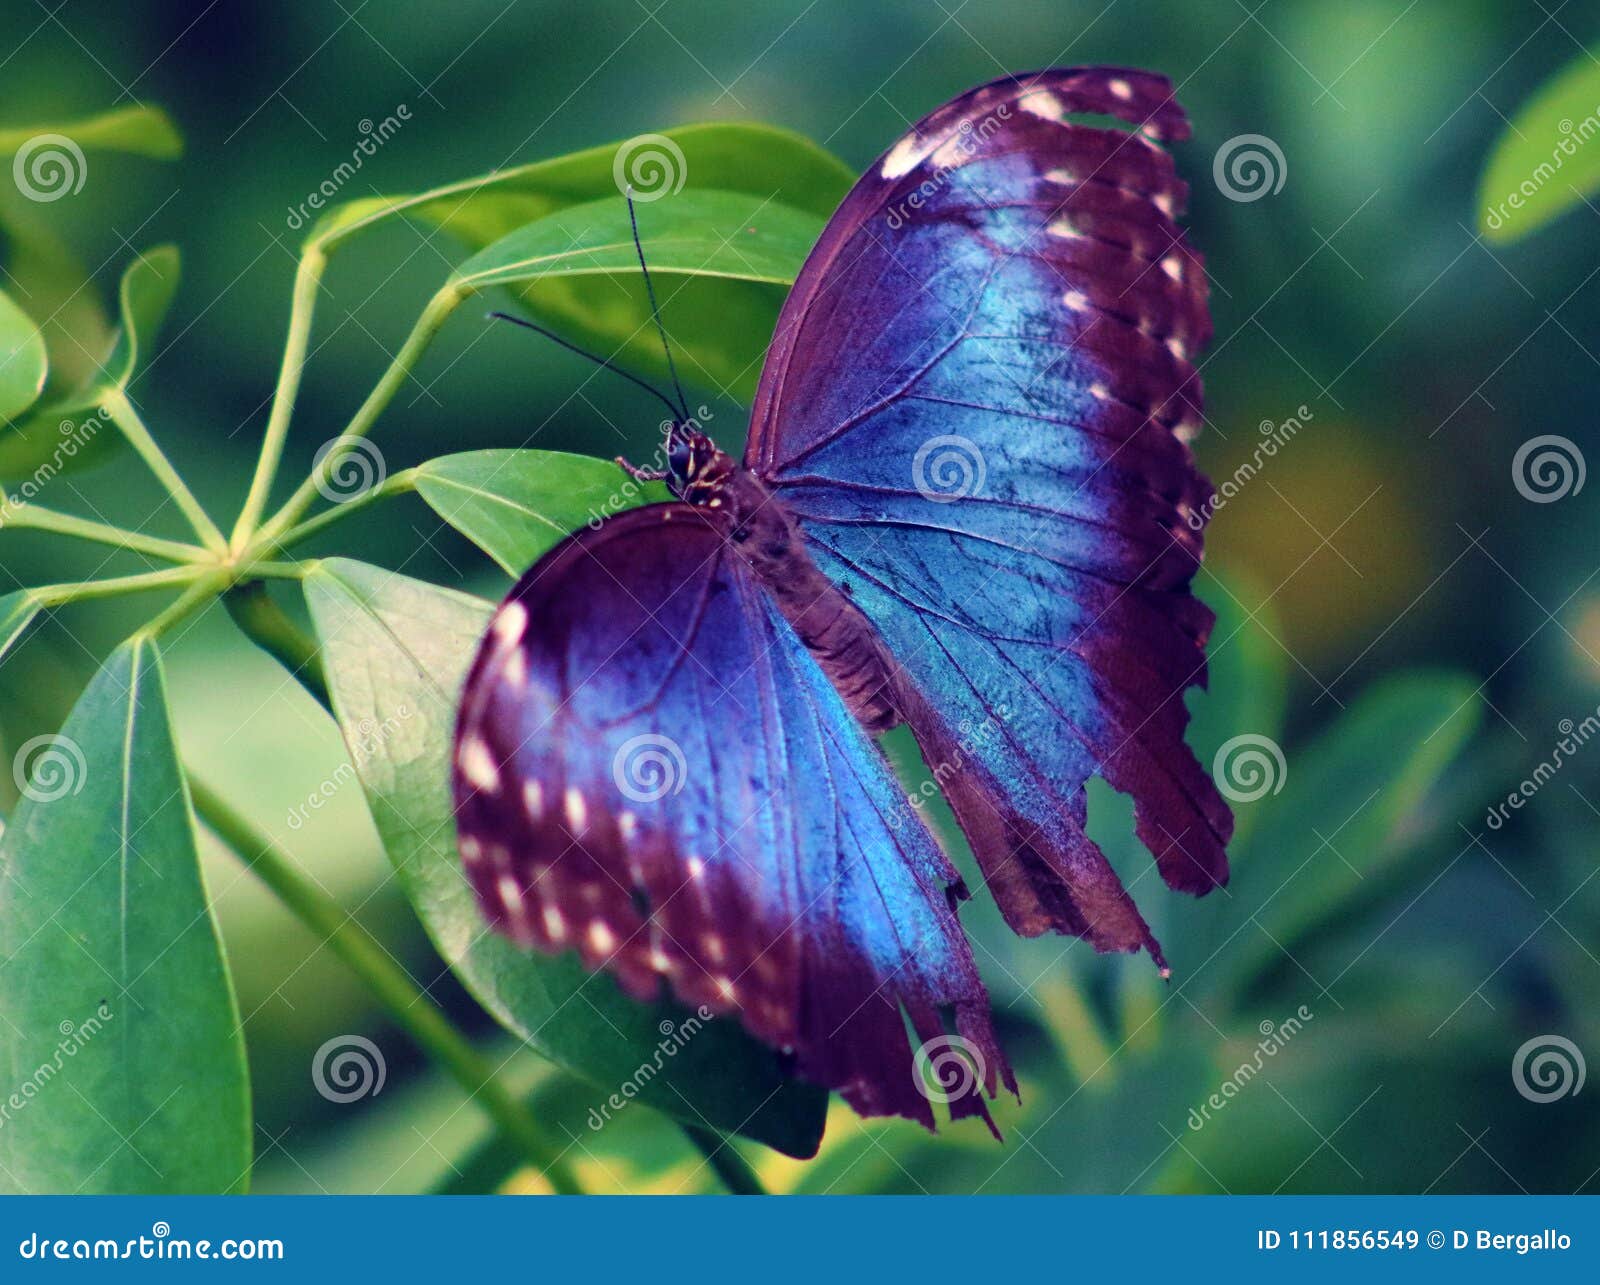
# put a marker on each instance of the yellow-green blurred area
(1394, 611)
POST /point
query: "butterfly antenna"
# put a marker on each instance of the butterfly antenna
(655, 312)
(597, 360)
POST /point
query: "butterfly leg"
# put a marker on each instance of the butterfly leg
(642, 474)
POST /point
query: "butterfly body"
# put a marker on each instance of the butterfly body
(963, 506)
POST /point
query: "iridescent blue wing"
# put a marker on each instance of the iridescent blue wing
(652, 770)
(978, 403)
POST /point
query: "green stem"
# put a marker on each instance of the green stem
(133, 428)
(427, 1025)
(201, 592)
(398, 484)
(307, 281)
(433, 317)
(32, 517)
(725, 1160)
(54, 595)
(267, 625)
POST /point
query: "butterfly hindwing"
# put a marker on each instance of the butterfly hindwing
(978, 404)
(652, 770)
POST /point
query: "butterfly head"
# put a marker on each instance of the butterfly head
(697, 470)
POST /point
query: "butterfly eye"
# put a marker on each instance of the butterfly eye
(680, 457)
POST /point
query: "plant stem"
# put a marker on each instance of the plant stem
(307, 281)
(54, 595)
(725, 1160)
(200, 592)
(32, 517)
(427, 326)
(267, 625)
(397, 484)
(424, 1021)
(133, 428)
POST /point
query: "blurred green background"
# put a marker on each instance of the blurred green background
(1386, 537)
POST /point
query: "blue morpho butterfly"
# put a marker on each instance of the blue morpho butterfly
(967, 504)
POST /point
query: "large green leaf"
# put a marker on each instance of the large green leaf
(723, 263)
(518, 505)
(722, 325)
(758, 159)
(1547, 160)
(142, 130)
(121, 1038)
(23, 363)
(70, 431)
(396, 651)
(1346, 817)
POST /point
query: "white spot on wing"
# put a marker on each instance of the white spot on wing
(1172, 265)
(1062, 227)
(577, 810)
(905, 156)
(477, 764)
(533, 799)
(510, 623)
(1076, 300)
(601, 937)
(1042, 103)
(555, 926)
(515, 669)
(696, 866)
(1120, 88)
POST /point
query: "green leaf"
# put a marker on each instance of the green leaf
(70, 431)
(517, 505)
(1547, 159)
(122, 1040)
(722, 261)
(1345, 819)
(758, 159)
(721, 325)
(17, 611)
(396, 651)
(23, 363)
(142, 130)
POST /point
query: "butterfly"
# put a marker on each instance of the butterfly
(967, 504)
